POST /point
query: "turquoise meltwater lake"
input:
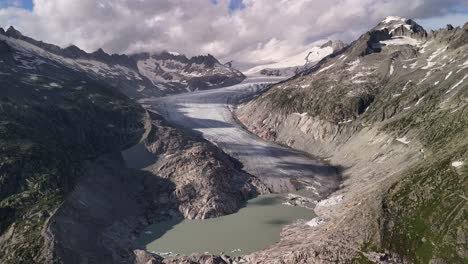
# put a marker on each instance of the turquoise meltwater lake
(252, 228)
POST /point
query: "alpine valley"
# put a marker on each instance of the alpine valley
(371, 138)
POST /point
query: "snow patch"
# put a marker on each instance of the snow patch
(342, 57)
(429, 65)
(392, 69)
(326, 68)
(303, 114)
(141, 88)
(345, 121)
(315, 222)
(55, 85)
(330, 201)
(360, 74)
(353, 65)
(406, 85)
(33, 77)
(457, 84)
(403, 140)
(359, 81)
(457, 164)
(400, 41)
(423, 50)
(308, 57)
(425, 77)
(430, 60)
(389, 19)
(448, 75)
(419, 101)
(437, 53)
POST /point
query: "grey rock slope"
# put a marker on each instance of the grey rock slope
(137, 75)
(391, 109)
(51, 122)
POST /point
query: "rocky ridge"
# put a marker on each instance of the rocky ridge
(398, 92)
(139, 75)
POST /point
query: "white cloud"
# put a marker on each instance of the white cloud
(261, 32)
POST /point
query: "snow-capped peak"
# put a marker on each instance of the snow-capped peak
(394, 18)
(298, 62)
(393, 22)
(399, 26)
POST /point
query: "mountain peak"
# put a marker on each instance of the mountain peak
(72, 47)
(400, 26)
(391, 19)
(12, 32)
(334, 44)
(100, 54)
(74, 52)
(100, 51)
(208, 60)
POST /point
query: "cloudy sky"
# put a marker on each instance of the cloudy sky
(247, 31)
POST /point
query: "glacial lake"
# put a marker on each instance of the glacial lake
(252, 228)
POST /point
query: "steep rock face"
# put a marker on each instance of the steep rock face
(50, 123)
(138, 75)
(389, 109)
(208, 182)
(107, 209)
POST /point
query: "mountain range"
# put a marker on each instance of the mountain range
(139, 75)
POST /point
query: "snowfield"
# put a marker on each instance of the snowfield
(310, 56)
(457, 164)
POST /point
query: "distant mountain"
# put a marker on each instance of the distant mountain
(137, 75)
(391, 109)
(299, 62)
